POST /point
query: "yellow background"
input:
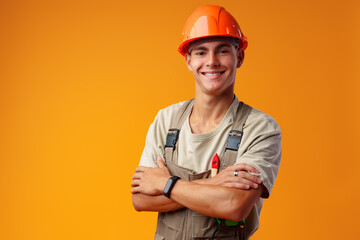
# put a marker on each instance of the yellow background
(81, 81)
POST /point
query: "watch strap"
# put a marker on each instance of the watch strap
(170, 185)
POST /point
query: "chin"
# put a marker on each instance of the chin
(213, 91)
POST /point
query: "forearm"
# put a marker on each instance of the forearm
(204, 181)
(216, 201)
(158, 203)
(219, 196)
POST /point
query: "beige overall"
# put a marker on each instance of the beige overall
(184, 224)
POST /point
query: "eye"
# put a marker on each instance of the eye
(199, 53)
(223, 51)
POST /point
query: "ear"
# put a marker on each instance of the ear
(188, 61)
(240, 56)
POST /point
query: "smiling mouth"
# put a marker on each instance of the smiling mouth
(212, 74)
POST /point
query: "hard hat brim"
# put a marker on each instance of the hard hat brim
(183, 48)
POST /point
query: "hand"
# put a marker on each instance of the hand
(244, 180)
(150, 181)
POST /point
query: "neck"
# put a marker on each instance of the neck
(208, 111)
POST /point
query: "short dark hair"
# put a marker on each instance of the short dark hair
(232, 40)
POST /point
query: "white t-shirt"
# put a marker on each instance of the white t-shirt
(260, 145)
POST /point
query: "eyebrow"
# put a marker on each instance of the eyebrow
(223, 45)
(199, 48)
(217, 47)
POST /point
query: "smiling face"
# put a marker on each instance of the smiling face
(214, 66)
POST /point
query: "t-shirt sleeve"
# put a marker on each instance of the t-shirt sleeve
(262, 148)
(156, 136)
(152, 149)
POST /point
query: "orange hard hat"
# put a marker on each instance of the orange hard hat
(210, 21)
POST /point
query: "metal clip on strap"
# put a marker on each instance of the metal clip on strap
(234, 139)
(172, 138)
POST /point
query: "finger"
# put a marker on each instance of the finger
(137, 175)
(244, 177)
(160, 162)
(140, 169)
(241, 186)
(237, 185)
(244, 166)
(245, 182)
(135, 190)
(135, 183)
(250, 177)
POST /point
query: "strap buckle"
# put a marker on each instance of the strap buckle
(172, 137)
(234, 140)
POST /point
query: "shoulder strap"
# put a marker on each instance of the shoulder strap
(235, 135)
(233, 141)
(173, 132)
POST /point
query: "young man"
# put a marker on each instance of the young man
(174, 173)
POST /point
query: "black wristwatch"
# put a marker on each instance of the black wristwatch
(169, 185)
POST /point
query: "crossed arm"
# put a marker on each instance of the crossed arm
(223, 196)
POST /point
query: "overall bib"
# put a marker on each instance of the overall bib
(184, 224)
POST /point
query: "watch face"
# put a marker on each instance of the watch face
(167, 186)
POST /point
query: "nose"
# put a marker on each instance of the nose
(212, 60)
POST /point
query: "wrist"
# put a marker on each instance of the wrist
(170, 185)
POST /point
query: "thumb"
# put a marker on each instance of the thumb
(160, 162)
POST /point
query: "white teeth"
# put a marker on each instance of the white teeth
(212, 74)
